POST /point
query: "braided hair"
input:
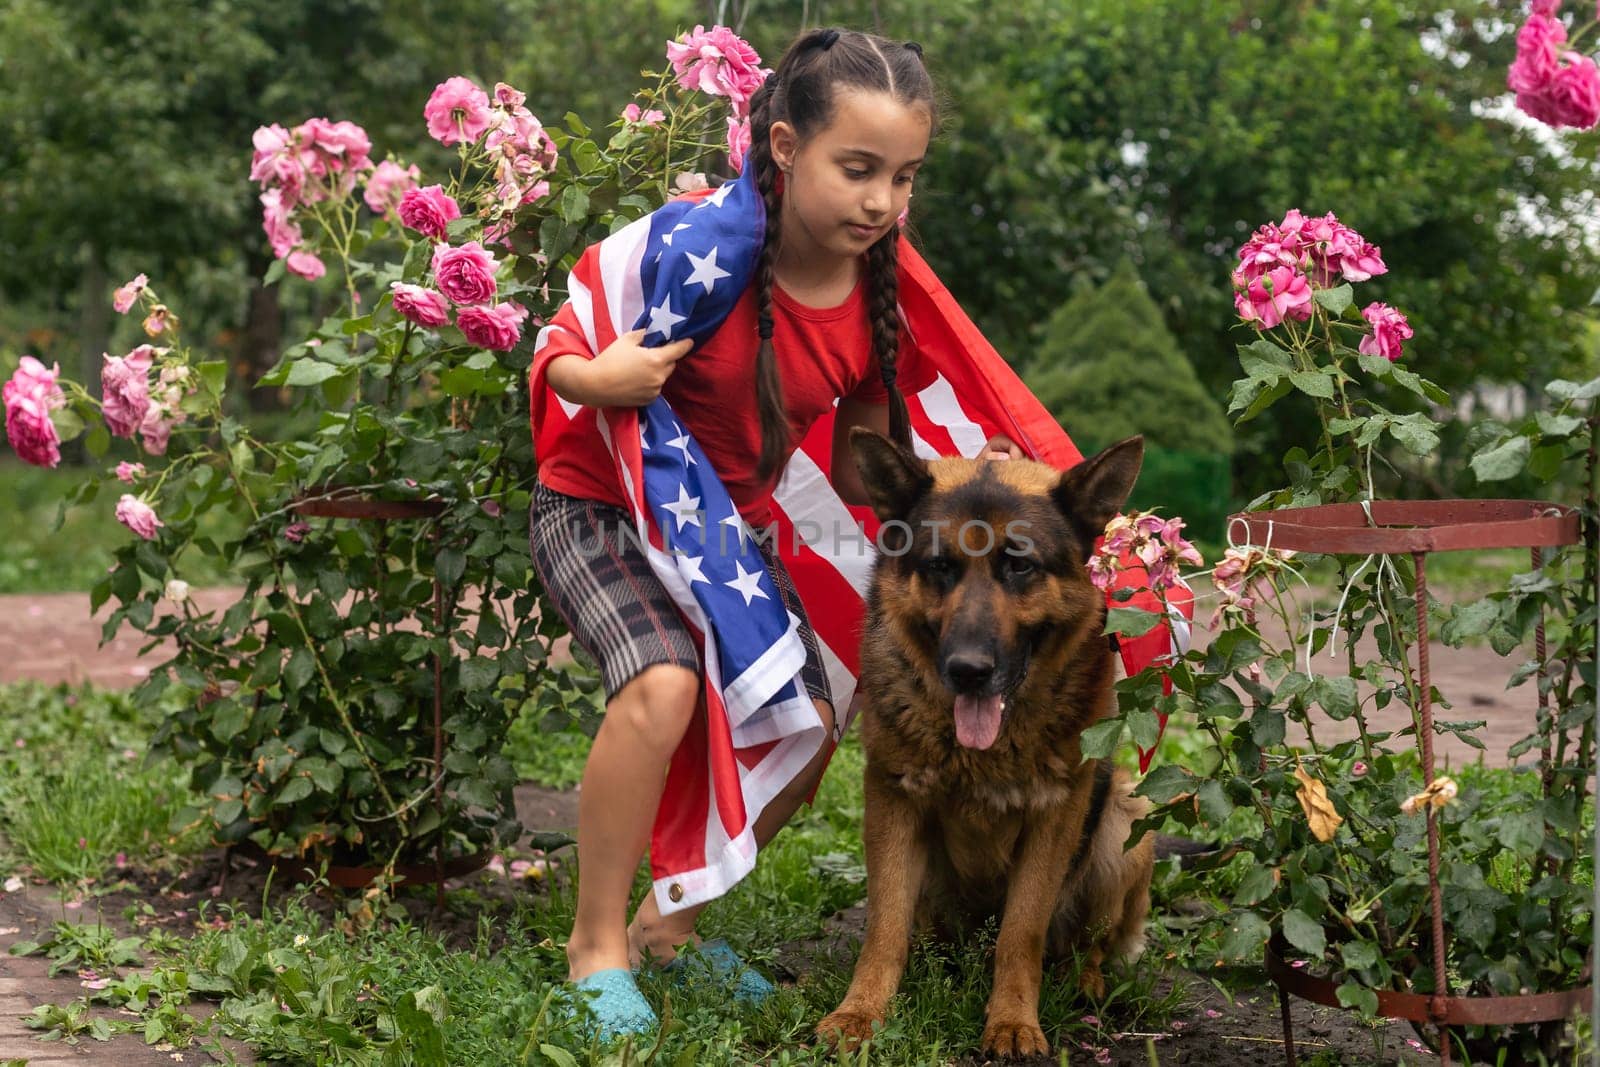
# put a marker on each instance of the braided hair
(801, 92)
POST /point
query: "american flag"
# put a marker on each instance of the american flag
(677, 273)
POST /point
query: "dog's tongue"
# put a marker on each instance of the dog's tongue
(977, 720)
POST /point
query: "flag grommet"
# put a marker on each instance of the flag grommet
(675, 892)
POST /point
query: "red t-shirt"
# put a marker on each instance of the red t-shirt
(823, 354)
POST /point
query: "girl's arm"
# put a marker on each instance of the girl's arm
(844, 476)
(626, 374)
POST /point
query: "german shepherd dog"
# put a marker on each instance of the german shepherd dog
(983, 660)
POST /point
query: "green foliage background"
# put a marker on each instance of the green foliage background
(1076, 137)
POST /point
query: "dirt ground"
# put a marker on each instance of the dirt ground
(51, 638)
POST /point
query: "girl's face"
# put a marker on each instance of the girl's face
(847, 184)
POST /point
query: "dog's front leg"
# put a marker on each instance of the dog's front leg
(1032, 888)
(896, 862)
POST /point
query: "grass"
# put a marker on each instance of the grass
(314, 979)
(77, 795)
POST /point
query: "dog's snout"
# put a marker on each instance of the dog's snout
(969, 671)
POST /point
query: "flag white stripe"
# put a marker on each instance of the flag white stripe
(939, 401)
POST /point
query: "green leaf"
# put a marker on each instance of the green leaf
(227, 811)
(231, 717)
(1335, 300)
(418, 256)
(1416, 433)
(1337, 696)
(98, 440)
(450, 565)
(1257, 885)
(1165, 783)
(574, 203)
(1267, 352)
(295, 789)
(558, 1056)
(1562, 389)
(1132, 622)
(214, 376)
(479, 673)
(1553, 425)
(1245, 937)
(299, 669)
(1313, 383)
(1504, 460)
(309, 372)
(1470, 620)
(1359, 955)
(1100, 740)
(1522, 832)
(1353, 994)
(1214, 805)
(1304, 933)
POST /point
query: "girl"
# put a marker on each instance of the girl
(838, 133)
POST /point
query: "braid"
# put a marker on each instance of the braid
(883, 260)
(769, 383)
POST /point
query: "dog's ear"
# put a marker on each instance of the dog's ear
(894, 478)
(1091, 493)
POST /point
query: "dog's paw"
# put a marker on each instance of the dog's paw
(1009, 1037)
(846, 1030)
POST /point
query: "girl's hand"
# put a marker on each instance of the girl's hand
(625, 374)
(1001, 447)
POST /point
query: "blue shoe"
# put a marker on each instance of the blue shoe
(617, 1008)
(715, 961)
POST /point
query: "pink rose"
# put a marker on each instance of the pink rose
(1389, 329)
(457, 111)
(276, 163)
(125, 390)
(129, 472)
(334, 147)
(520, 133)
(296, 531)
(123, 298)
(1547, 8)
(1573, 99)
(282, 232)
(1269, 247)
(633, 114)
(1351, 255)
(507, 97)
(719, 63)
(738, 143)
(1538, 54)
(387, 184)
(156, 428)
(466, 273)
(1281, 293)
(138, 516)
(425, 307)
(498, 328)
(306, 264)
(30, 396)
(428, 210)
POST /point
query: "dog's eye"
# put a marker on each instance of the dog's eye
(1018, 566)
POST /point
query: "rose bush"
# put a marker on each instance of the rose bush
(307, 726)
(1333, 834)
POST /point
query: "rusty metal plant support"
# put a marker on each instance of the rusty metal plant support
(1416, 528)
(351, 504)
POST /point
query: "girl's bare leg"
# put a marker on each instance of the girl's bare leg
(660, 935)
(622, 783)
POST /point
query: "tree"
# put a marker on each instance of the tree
(1107, 367)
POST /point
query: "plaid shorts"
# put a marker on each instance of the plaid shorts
(617, 609)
